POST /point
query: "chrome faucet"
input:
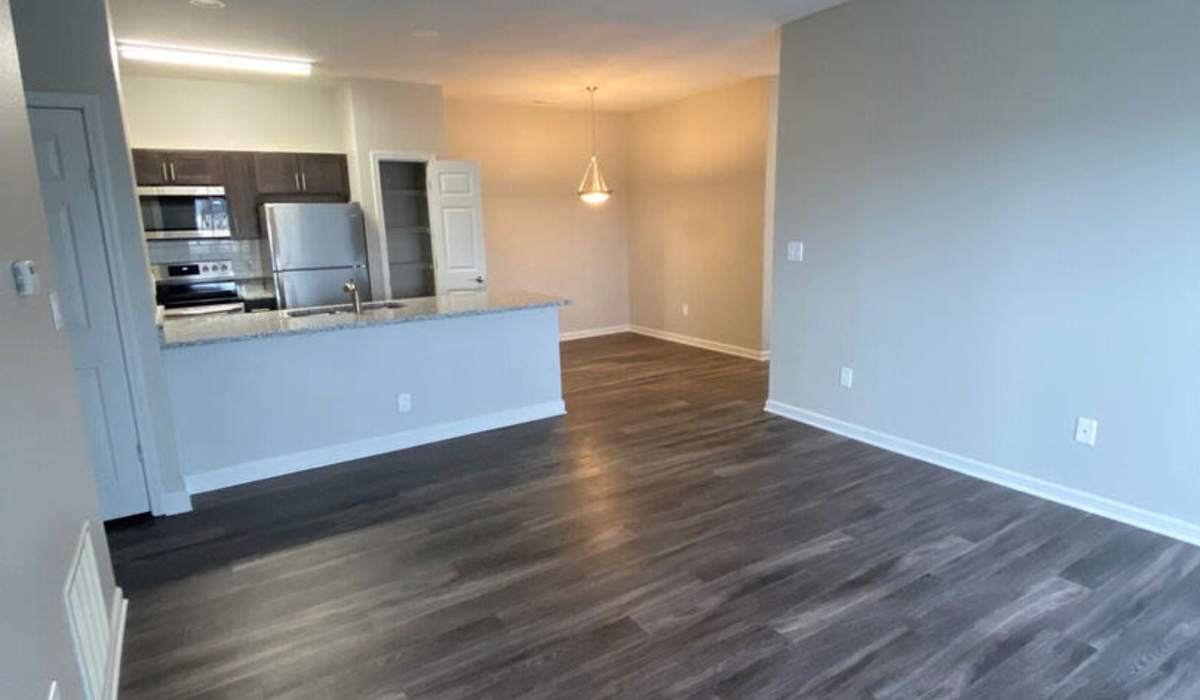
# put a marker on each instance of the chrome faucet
(352, 289)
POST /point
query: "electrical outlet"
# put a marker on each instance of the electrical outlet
(847, 377)
(1085, 431)
(795, 251)
(404, 403)
(686, 309)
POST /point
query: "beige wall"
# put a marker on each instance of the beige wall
(539, 235)
(699, 168)
(385, 116)
(252, 116)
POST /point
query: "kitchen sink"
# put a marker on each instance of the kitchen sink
(320, 311)
(373, 305)
(344, 309)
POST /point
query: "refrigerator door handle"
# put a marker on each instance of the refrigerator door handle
(323, 267)
(280, 297)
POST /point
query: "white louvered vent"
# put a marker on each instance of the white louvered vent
(89, 616)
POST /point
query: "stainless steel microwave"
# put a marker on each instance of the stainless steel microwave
(184, 212)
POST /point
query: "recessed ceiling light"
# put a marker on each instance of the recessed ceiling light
(213, 59)
(426, 34)
(208, 4)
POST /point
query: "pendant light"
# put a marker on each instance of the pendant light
(593, 189)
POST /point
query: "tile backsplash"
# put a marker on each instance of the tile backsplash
(247, 255)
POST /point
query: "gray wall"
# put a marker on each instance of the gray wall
(1000, 205)
(65, 46)
(47, 490)
(321, 398)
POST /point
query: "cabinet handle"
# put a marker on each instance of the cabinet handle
(172, 171)
(166, 177)
(296, 177)
(304, 181)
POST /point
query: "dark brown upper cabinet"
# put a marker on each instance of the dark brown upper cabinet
(150, 167)
(194, 168)
(249, 178)
(277, 173)
(300, 173)
(322, 173)
(241, 194)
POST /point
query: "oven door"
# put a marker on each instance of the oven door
(198, 298)
(184, 212)
(208, 310)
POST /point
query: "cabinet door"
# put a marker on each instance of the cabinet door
(150, 167)
(241, 193)
(194, 168)
(323, 174)
(277, 173)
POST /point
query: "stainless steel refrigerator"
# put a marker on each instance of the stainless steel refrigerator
(315, 250)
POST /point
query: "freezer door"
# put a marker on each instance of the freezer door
(312, 236)
(300, 288)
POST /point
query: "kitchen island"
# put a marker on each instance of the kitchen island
(259, 395)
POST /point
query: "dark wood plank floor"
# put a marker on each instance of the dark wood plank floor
(665, 539)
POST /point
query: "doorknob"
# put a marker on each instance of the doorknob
(479, 279)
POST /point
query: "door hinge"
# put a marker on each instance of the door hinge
(92, 179)
(141, 454)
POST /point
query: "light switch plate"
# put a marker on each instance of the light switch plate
(795, 251)
(56, 311)
(1085, 431)
(847, 377)
(404, 403)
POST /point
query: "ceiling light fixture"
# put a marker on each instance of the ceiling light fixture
(213, 59)
(208, 4)
(593, 189)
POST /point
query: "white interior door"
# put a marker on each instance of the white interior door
(456, 225)
(88, 308)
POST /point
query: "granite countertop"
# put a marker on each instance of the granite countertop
(237, 327)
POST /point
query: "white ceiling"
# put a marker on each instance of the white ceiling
(640, 52)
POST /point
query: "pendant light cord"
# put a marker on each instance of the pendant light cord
(592, 92)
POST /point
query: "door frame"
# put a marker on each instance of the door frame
(376, 158)
(119, 276)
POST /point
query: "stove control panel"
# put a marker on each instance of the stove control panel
(207, 269)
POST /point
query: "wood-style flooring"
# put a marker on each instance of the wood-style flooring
(665, 539)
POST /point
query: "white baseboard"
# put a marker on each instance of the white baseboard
(1082, 500)
(116, 643)
(592, 333)
(174, 503)
(748, 353)
(257, 470)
